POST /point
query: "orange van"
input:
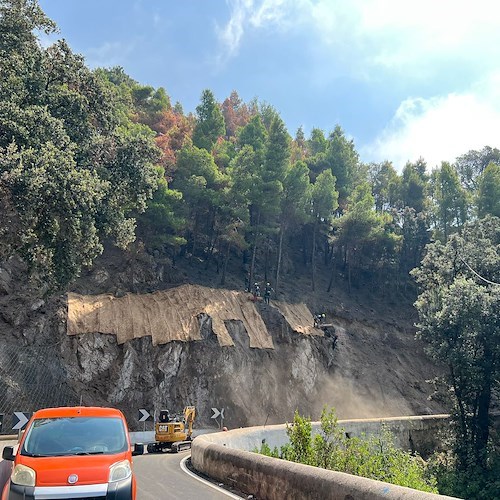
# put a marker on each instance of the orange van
(78, 452)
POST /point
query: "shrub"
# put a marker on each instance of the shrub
(374, 457)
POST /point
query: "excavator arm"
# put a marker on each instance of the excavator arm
(189, 416)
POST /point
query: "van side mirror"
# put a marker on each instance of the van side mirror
(8, 453)
(138, 449)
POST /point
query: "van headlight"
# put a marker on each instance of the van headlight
(119, 471)
(23, 476)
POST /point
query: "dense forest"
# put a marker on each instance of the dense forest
(94, 155)
(90, 158)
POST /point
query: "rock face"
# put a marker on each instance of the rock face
(364, 369)
(252, 384)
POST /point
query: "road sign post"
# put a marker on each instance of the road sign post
(218, 413)
(19, 421)
(144, 415)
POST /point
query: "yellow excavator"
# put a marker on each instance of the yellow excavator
(173, 433)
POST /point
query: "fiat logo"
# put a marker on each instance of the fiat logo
(72, 479)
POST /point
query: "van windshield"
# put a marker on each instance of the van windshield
(75, 436)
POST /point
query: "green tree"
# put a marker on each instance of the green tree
(254, 134)
(276, 166)
(343, 160)
(414, 228)
(385, 183)
(210, 123)
(299, 146)
(471, 165)
(73, 168)
(324, 203)
(160, 225)
(317, 142)
(267, 169)
(201, 183)
(296, 202)
(459, 319)
(414, 181)
(366, 237)
(300, 447)
(450, 201)
(488, 193)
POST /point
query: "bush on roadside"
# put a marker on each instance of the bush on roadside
(374, 457)
(474, 482)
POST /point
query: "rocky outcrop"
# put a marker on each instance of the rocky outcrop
(251, 384)
(363, 368)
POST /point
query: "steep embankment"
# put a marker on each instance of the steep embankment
(197, 345)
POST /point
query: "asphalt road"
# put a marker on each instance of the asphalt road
(160, 476)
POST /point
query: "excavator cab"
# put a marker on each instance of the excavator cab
(173, 433)
(164, 416)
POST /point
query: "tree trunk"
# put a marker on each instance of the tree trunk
(327, 252)
(215, 239)
(304, 245)
(224, 267)
(266, 262)
(462, 419)
(195, 233)
(278, 263)
(332, 274)
(313, 258)
(254, 252)
(348, 258)
(252, 263)
(483, 420)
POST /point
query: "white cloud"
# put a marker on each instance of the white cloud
(272, 12)
(410, 45)
(231, 34)
(109, 54)
(253, 15)
(441, 128)
(377, 33)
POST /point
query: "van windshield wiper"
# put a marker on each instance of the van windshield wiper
(36, 455)
(88, 453)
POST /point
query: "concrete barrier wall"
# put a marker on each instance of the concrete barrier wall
(142, 437)
(227, 457)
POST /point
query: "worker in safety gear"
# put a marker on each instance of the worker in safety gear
(267, 293)
(318, 320)
(256, 291)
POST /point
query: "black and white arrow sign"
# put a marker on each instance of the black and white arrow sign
(218, 413)
(144, 415)
(19, 420)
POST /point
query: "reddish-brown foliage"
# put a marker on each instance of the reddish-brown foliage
(236, 114)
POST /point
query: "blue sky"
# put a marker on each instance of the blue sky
(403, 79)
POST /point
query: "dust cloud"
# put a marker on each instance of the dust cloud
(352, 399)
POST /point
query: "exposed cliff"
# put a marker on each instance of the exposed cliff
(259, 362)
